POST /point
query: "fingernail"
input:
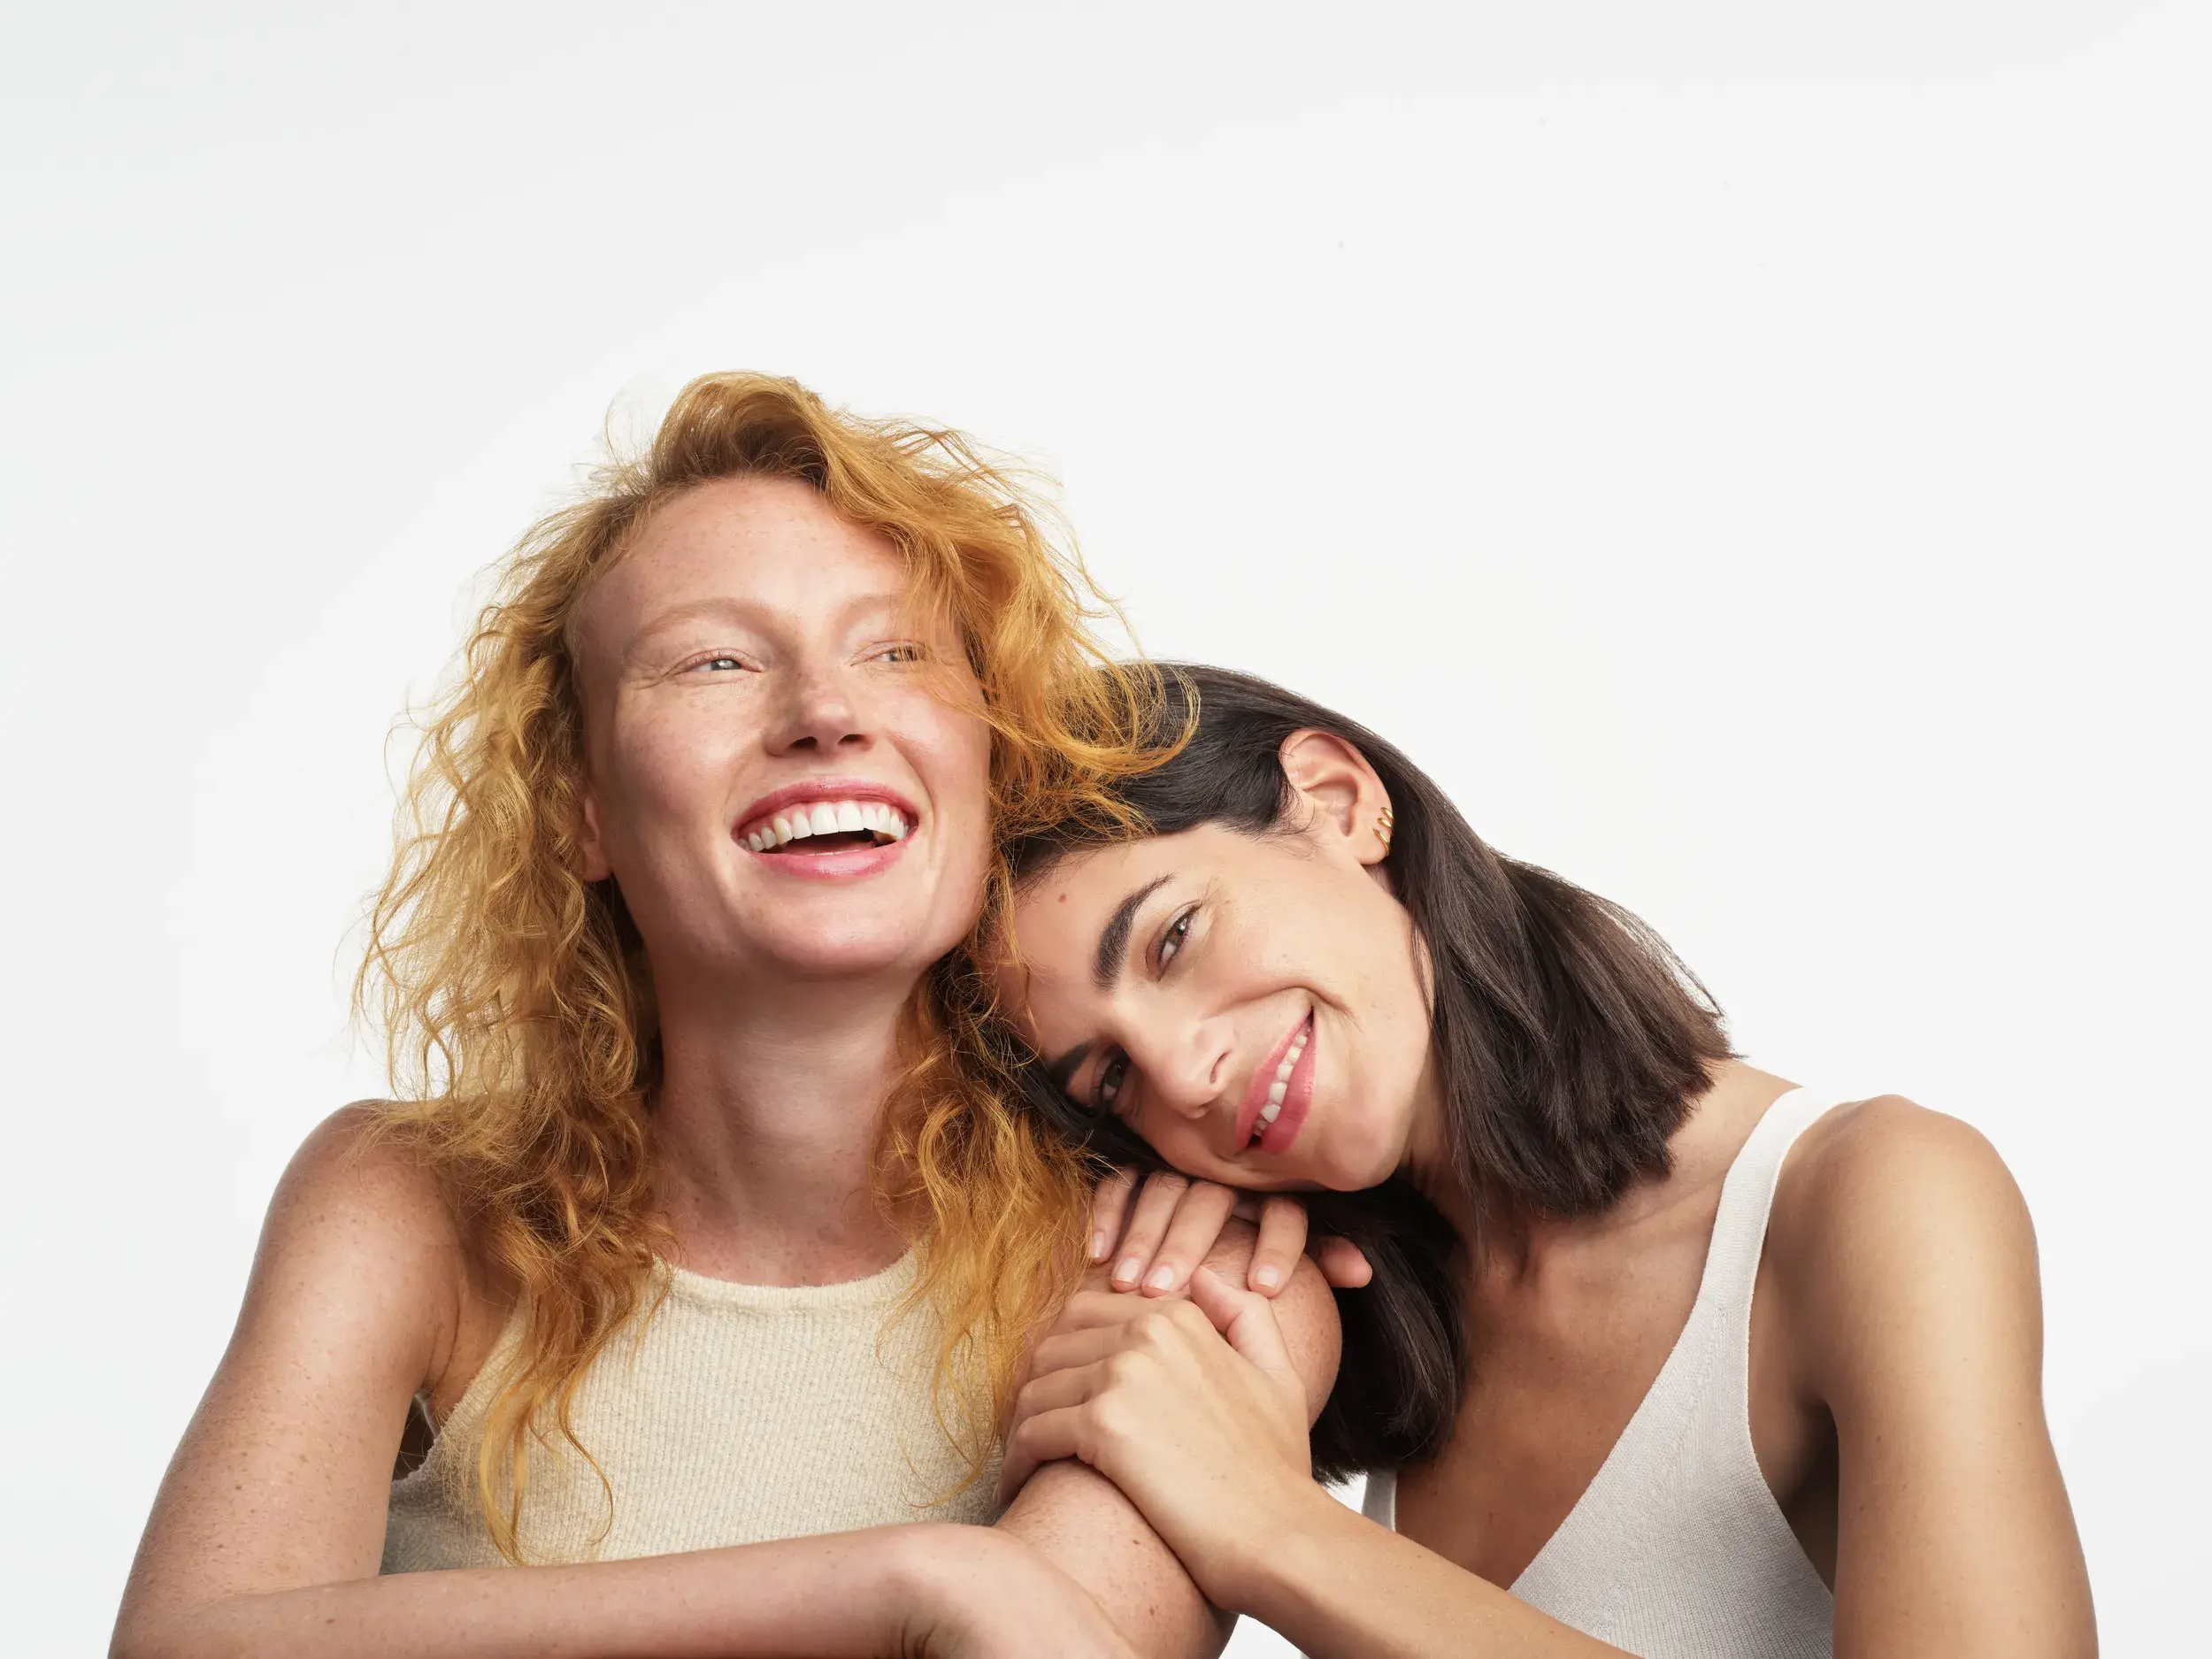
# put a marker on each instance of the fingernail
(1126, 1273)
(1100, 1244)
(1269, 1278)
(1162, 1278)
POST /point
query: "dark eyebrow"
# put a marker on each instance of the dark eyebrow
(1113, 943)
(1062, 1069)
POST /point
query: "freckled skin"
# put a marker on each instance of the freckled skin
(792, 668)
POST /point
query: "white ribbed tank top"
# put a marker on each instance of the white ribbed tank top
(1678, 1550)
(735, 1414)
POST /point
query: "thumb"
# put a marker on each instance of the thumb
(1245, 1318)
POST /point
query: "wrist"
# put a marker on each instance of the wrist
(1253, 1570)
(931, 1565)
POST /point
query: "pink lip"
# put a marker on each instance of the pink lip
(826, 789)
(1296, 1098)
(857, 861)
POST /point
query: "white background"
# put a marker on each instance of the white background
(1755, 455)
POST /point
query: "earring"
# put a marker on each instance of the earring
(1385, 822)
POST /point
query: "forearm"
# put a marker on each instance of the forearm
(845, 1594)
(1083, 1525)
(1338, 1585)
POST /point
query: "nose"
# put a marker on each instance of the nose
(823, 713)
(1189, 1067)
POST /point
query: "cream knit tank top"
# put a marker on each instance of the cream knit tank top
(733, 1415)
(1678, 1550)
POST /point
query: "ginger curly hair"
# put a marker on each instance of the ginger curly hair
(513, 994)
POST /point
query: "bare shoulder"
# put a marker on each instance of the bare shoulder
(356, 1177)
(1885, 1167)
(359, 1218)
(1893, 1218)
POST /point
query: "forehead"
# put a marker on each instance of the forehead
(773, 543)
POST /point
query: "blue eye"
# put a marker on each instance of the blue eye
(899, 654)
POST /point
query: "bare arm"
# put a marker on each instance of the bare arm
(267, 1536)
(1083, 1522)
(1910, 1277)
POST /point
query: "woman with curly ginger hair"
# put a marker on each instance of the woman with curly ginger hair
(704, 1244)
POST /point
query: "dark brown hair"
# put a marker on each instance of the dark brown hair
(1568, 1038)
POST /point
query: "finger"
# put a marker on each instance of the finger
(1044, 1439)
(1108, 1205)
(1051, 1391)
(1341, 1263)
(1282, 1240)
(1147, 1225)
(1088, 1308)
(1198, 1222)
(1247, 1319)
(1064, 1350)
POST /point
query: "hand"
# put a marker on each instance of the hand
(1160, 1237)
(1193, 1408)
(970, 1592)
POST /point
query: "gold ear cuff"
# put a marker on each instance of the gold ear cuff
(1385, 823)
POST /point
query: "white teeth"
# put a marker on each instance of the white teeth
(828, 818)
(1280, 1086)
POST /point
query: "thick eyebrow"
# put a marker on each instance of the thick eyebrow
(1062, 1069)
(1113, 942)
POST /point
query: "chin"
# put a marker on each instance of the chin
(855, 956)
(1354, 1169)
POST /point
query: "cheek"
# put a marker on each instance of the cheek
(953, 752)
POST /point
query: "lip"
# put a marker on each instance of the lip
(1296, 1098)
(826, 789)
(838, 867)
(1296, 1101)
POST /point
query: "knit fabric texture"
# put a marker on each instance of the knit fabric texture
(733, 1415)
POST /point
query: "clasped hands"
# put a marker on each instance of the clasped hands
(1194, 1408)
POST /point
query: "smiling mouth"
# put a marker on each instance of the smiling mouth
(824, 827)
(1279, 1086)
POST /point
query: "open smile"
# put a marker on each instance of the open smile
(1281, 1092)
(827, 827)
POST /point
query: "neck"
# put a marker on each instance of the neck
(766, 1124)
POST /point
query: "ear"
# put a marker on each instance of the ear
(591, 852)
(1345, 801)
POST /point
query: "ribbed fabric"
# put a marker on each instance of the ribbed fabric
(1677, 1549)
(737, 1413)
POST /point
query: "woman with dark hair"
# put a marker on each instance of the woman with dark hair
(1696, 1362)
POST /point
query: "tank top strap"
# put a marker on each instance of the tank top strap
(1747, 1199)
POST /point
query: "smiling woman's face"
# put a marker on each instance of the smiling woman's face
(788, 774)
(1252, 1005)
